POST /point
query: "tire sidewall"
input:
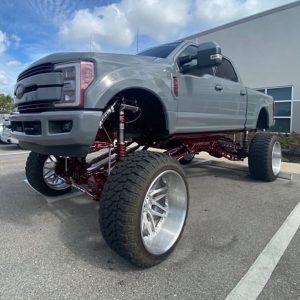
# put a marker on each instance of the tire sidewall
(270, 158)
(260, 158)
(148, 182)
(122, 200)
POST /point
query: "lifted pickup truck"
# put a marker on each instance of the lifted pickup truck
(180, 97)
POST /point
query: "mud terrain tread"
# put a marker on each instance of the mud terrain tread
(121, 203)
(260, 157)
(34, 174)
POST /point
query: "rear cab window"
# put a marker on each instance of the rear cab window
(162, 51)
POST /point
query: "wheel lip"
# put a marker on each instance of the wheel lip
(57, 187)
(276, 158)
(156, 251)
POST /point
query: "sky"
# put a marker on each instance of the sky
(31, 29)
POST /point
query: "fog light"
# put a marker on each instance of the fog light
(56, 127)
(67, 126)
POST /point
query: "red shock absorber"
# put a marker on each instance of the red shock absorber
(121, 146)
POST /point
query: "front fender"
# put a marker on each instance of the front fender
(157, 81)
(105, 88)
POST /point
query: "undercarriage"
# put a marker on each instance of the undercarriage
(89, 176)
(144, 194)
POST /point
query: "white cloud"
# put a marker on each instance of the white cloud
(220, 11)
(162, 20)
(94, 46)
(3, 42)
(6, 41)
(15, 39)
(104, 24)
(116, 24)
(53, 10)
(14, 63)
(9, 70)
(6, 83)
(4, 78)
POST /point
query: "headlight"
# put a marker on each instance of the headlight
(76, 79)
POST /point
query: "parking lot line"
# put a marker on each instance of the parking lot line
(14, 153)
(253, 282)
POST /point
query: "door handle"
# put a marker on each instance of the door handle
(243, 92)
(218, 87)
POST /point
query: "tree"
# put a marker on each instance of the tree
(6, 104)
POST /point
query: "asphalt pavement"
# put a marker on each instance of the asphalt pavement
(54, 250)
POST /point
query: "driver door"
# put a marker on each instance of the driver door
(199, 97)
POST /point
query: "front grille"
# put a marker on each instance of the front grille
(35, 107)
(40, 69)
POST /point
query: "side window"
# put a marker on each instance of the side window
(226, 71)
(191, 68)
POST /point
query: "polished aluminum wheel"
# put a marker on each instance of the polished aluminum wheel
(164, 212)
(276, 158)
(51, 179)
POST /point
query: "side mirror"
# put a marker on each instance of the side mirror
(185, 59)
(209, 55)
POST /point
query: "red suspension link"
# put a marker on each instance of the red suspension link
(215, 145)
(121, 146)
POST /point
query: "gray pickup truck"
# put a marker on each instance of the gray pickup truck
(89, 119)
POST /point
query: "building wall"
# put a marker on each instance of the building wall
(296, 116)
(266, 51)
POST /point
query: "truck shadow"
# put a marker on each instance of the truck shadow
(76, 218)
(200, 168)
(79, 231)
(74, 221)
(10, 147)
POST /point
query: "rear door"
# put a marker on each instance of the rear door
(234, 96)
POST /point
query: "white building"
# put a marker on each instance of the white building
(266, 51)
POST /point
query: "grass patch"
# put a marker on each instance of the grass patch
(290, 144)
(290, 141)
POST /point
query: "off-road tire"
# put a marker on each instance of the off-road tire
(260, 157)
(187, 159)
(34, 173)
(122, 201)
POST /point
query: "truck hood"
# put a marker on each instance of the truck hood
(108, 57)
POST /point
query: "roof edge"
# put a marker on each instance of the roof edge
(244, 20)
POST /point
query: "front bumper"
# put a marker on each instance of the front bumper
(9, 140)
(45, 139)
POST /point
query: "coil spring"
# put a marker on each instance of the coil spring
(121, 151)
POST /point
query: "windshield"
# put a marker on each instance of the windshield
(161, 51)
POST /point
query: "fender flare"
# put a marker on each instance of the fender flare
(125, 85)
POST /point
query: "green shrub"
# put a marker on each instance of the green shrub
(289, 141)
